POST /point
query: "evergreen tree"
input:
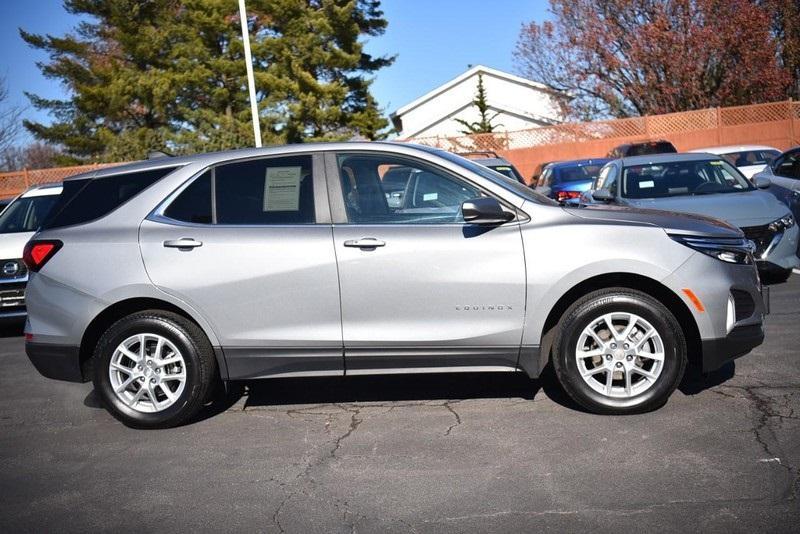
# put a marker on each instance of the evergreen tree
(484, 124)
(148, 75)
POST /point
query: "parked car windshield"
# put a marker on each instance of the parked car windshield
(751, 157)
(507, 170)
(576, 173)
(677, 178)
(495, 177)
(26, 214)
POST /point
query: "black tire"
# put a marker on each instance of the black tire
(201, 367)
(585, 311)
(776, 276)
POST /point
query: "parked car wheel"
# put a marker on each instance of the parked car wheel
(154, 369)
(619, 351)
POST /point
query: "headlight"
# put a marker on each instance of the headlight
(730, 250)
(784, 223)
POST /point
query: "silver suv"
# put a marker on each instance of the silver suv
(159, 280)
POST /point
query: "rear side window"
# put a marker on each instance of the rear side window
(253, 192)
(85, 200)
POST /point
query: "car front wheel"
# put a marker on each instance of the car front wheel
(619, 351)
(154, 369)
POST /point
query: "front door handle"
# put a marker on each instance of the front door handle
(183, 243)
(364, 242)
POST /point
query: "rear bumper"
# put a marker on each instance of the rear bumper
(740, 341)
(60, 362)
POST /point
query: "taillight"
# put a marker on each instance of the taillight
(38, 252)
(561, 196)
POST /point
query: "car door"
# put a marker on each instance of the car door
(421, 289)
(248, 244)
(786, 180)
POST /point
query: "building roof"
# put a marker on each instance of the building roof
(482, 69)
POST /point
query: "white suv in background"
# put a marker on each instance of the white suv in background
(749, 159)
(18, 222)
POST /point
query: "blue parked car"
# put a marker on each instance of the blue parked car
(564, 181)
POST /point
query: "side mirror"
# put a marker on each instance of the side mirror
(484, 211)
(602, 195)
(762, 182)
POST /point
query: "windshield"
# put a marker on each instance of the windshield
(506, 170)
(746, 158)
(577, 173)
(26, 214)
(495, 177)
(678, 178)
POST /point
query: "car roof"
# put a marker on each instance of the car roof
(732, 148)
(492, 161)
(211, 158)
(43, 190)
(578, 162)
(668, 158)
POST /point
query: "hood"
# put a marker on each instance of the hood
(11, 245)
(673, 223)
(748, 208)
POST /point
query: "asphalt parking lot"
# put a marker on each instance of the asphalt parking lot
(431, 453)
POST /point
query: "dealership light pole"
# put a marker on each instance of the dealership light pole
(251, 84)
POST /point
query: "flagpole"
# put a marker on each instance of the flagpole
(251, 84)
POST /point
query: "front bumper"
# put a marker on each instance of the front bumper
(60, 362)
(780, 252)
(740, 341)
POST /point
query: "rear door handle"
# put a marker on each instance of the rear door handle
(184, 242)
(364, 242)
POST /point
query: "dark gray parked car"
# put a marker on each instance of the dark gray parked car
(158, 279)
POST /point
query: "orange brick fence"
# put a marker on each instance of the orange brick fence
(13, 183)
(776, 124)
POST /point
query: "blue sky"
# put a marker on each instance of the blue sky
(434, 40)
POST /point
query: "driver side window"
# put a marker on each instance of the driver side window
(384, 189)
(789, 166)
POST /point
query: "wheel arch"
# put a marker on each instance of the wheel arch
(625, 280)
(116, 311)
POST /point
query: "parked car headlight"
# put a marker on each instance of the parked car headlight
(784, 223)
(735, 250)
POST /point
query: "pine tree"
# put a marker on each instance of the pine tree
(484, 125)
(170, 75)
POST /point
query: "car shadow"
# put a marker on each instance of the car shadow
(12, 327)
(695, 381)
(387, 388)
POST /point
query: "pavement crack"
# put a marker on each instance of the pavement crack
(355, 421)
(764, 433)
(448, 405)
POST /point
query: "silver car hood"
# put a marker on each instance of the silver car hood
(12, 244)
(673, 223)
(748, 208)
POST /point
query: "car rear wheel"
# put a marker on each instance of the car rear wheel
(619, 351)
(154, 369)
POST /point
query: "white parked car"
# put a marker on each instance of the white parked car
(18, 222)
(749, 159)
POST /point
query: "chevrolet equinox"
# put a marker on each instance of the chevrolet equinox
(161, 279)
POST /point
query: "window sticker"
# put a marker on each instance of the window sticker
(282, 189)
(646, 185)
(430, 196)
(715, 162)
